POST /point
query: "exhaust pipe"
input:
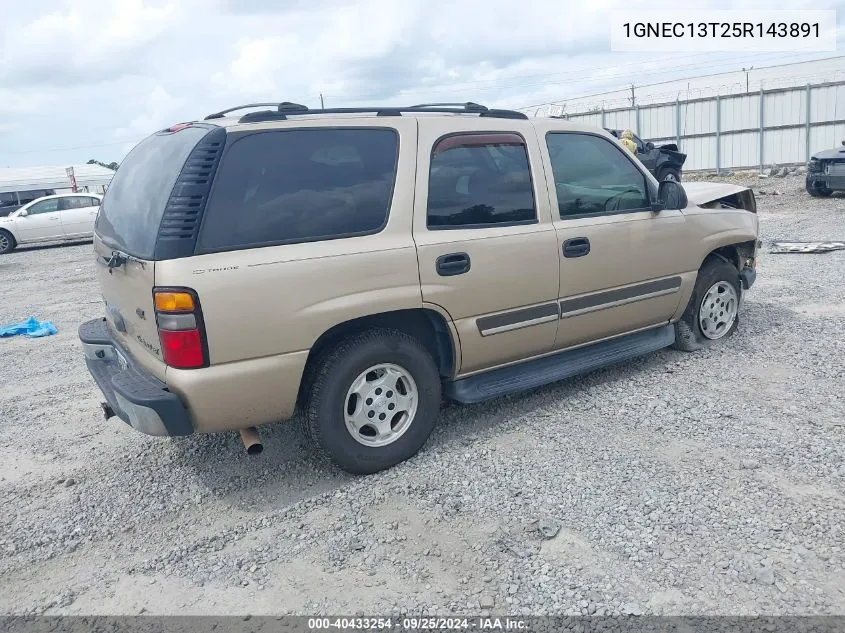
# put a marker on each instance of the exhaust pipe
(251, 441)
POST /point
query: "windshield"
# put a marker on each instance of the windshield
(132, 207)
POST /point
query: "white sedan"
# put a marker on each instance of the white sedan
(66, 216)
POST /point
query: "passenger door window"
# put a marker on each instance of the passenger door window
(594, 177)
(480, 180)
(45, 206)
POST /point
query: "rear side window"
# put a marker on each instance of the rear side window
(8, 200)
(479, 180)
(25, 197)
(131, 211)
(289, 186)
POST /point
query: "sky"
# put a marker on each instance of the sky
(83, 79)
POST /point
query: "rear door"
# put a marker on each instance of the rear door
(43, 222)
(78, 215)
(486, 246)
(127, 231)
(622, 266)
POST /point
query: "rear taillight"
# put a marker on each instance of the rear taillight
(180, 328)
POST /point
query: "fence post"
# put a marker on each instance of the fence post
(762, 126)
(807, 134)
(718, 135)
(637, 121)
(602, 117)
(678, 122)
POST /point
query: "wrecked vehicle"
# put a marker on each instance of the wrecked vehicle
(664, 162)
(826, 172)
(355, 265)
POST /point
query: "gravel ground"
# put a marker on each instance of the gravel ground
(705, 483)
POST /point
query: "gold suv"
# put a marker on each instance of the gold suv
(357, 264)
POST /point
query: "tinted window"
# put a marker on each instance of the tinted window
(479, 180)
(592, 175)
(131, 210)
(8, 199)
(28, 196)
(75, 202)
(45, 206)
(300, 185)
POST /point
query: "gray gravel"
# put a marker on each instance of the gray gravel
(705, 483)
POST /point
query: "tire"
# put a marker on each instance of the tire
(670, 173)
(331, 403)
(820, 192)
(7, 242)
(720, 277)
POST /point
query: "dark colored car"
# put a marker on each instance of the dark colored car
(663, 161)
(14, 200)
(826, 172)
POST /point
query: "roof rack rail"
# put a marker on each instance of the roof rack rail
(282, 110)
(284, 106)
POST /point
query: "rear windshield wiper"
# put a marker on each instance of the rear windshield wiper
(118, 259)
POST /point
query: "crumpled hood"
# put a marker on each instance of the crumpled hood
(827, 154)
(700, 193)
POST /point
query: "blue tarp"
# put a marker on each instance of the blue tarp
(33, 328)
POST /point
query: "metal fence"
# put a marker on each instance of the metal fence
(770, 127)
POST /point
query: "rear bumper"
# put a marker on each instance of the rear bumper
(134, 395)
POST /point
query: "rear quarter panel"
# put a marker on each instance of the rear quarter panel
(264, 308)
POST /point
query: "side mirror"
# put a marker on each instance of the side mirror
(649, 146)
(670, 195)
(23, 214)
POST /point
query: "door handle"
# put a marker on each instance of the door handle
(452, 264)
(576, 247)
(51, 219)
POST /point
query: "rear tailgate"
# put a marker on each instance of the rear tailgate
(149, 213)
(127, 290)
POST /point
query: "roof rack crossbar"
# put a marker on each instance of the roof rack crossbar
(222, 113)
(469, 106)
(284, 106)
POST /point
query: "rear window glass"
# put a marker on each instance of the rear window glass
(131, 210)
(301, 185)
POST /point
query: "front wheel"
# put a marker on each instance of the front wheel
(7, 242)
(818, 192)
(373, 401)
(670, 173)
(712, 313)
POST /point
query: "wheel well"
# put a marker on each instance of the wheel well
(735, 254)
(427, 326)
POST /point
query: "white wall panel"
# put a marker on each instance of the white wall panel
(740, 150)
(741, 112)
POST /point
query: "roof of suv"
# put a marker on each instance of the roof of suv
(276, 113)
(293, 111)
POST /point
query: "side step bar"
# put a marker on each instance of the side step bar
(549, 369)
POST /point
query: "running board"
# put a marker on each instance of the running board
(549, 369)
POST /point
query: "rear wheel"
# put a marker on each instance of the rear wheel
(670, 173)
(712, 313)
(7, 242)
(373, 401)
